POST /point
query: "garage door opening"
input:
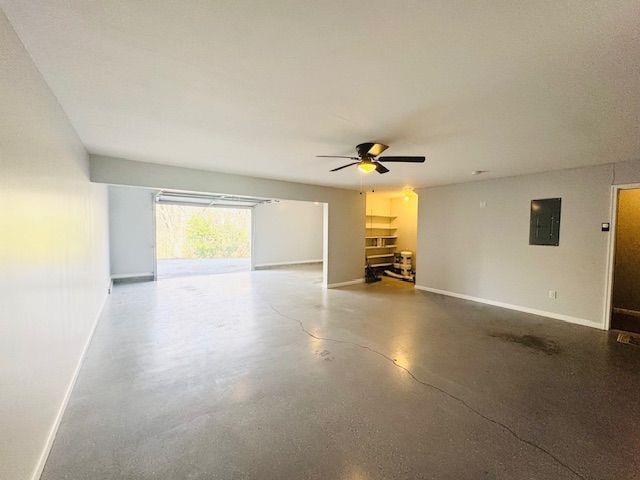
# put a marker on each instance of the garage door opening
(202, 240)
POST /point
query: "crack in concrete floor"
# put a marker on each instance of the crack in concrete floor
(461, 401)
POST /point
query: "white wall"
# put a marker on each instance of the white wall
(54, 267)
(405, 209)
(344, 228)
(287, 232)
(131, 231)
(483, 252)
(378, 204)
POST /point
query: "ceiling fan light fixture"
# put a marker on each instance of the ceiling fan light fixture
(366, 167)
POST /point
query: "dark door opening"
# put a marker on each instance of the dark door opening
(625, 299)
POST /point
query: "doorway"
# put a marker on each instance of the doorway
(202, 240)
(391, 224)
(625, 294)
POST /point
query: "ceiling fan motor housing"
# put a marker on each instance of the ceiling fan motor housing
(363, 149)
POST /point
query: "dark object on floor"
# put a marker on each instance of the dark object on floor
(370, 274)
(535, 342)
(629, 339)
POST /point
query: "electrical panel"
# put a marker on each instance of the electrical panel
(544, 227)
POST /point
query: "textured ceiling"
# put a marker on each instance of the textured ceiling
(260, 87)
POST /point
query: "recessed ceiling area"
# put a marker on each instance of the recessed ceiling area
(243, 87)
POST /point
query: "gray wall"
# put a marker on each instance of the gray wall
(131, 231)
(54, 263)
(287, 232)
(626, 281)
(483, 252)
(344, 228)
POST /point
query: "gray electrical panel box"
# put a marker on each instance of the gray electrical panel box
(544, 227)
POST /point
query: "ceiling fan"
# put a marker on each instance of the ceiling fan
(368, 159)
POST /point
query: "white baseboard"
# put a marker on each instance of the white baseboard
(133, 278)
(121, 276)
(37, 472)
(534, 311)
(278, 264)
(345, 284)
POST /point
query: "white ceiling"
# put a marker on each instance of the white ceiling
(260, 87)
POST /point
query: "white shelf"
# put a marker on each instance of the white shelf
(381, 224)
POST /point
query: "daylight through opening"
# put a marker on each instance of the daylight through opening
(194, 240)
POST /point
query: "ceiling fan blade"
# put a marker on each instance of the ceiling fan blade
(377, 148)
(337, 156)
(344, 166)
(381, 168)
(370, 149)
(402, 159)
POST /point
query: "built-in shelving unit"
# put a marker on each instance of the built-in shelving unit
(380, 240)
(381, 256)
(389, 217)
(380, 227)
(391, 224)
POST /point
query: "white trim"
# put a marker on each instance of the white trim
(325, 245)
(534, 311)
(345, 284)
(252, 227)
(611, 248)
(154, 220)
(121, 276)
(37, 472)
(295, 262)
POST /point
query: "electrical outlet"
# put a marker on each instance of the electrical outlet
(553, 294)
(483, 204)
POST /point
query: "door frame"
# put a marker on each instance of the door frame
(154, 196)
(611, 249)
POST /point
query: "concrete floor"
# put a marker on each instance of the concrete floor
(184, 267)
(263, 375)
